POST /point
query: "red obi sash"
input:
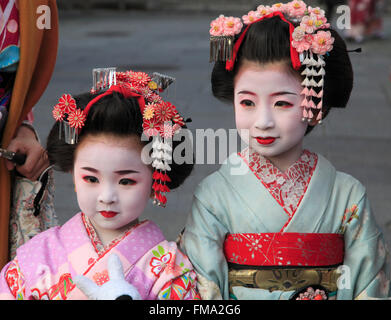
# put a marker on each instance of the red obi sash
(284, 249)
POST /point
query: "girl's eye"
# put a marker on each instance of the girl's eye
(127, 182)
(283, 104)
(247, 103)
(90, 179)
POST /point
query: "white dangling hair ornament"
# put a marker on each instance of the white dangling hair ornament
(309, 83)
(161, 156)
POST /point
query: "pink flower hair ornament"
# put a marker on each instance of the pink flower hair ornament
(161, 120)
(309, 42)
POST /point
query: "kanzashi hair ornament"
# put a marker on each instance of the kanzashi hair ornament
(162, 81)
(161, 120)
(222, 32)
(70, 119)
(308, 44)
(103, 78)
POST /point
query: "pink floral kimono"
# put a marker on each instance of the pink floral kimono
(44, 266)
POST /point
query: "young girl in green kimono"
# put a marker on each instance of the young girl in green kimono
(291, 226)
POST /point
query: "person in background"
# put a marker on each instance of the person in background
(27, 59)
(366, 20)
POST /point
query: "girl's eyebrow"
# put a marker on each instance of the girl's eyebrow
(119, 172)
(90, 169)
(246, 92)
(123, 172)
(281, 93)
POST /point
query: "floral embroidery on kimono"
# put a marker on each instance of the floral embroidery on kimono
(352, 213)
(43, 267)
(15, 280)
(32, 208)
(58, 291)
(160, 261)
(284, 248)
(287, 187)
(181, 288)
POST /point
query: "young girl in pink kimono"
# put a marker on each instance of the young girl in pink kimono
(279, 221)
(98, 139)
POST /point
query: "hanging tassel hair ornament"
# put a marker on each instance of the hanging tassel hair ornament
(161, 120)
(161, 156)
(312, 111)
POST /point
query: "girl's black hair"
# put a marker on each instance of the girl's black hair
(115, 115)
(267, 41)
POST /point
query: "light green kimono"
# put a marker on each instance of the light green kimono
(227, 202)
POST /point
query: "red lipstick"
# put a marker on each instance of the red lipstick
(266, 140)
(108, 214)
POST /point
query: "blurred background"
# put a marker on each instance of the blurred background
(172, 37)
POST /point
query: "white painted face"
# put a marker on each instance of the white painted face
(267, 105)
(112, 183)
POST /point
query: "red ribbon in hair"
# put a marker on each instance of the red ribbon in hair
(294, 54)
(123, 89)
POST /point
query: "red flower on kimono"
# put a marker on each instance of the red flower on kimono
(140, 78)
(354, 215)
(164, 111)
(12, 276)
(151, 127)
(67, 103)
(62, 287)
(58, 113)
(38, 295)
(101, 277)
(158, 264)
(77, 118)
